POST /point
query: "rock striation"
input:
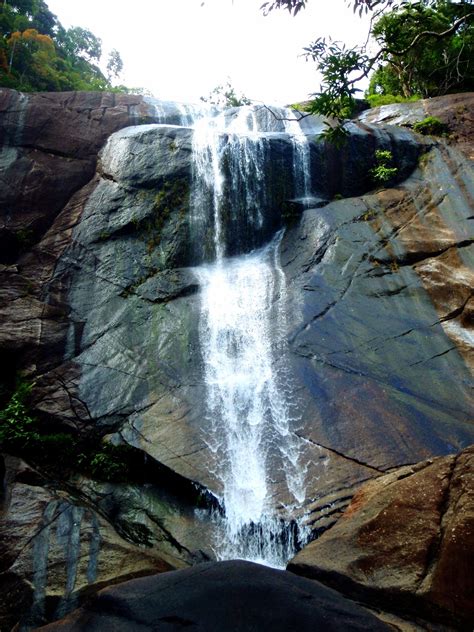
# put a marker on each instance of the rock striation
(56, 549)
(405, 543)
(100, 306)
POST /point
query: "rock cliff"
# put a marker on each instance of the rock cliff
(100, 306)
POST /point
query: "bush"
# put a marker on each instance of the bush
(431, 126)
(377, 100)
(110, 463)
(21, 434)
(383, 172)
(17, 426)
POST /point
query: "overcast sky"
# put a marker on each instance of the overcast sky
(181, 49)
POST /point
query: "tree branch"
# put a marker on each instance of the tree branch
(435, 34)
(301, 115)
(373, 60)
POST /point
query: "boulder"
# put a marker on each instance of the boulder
(405, 543)
(220, 597)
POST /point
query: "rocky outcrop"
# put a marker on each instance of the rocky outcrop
(62, 540)
(405, 543)
(220, 597)
(453, 110)
(101, 305)
(56, 548)
(381, 340)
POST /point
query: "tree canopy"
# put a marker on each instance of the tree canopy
(37, 53)
(425, 48)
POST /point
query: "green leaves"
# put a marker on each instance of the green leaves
(383, 172)
(17, 426)
(336, 100)
(430, 126)
(22, 434)
(337, 135)
(293, 6)
(226, 96)
(37, 53)
(427, 47)
(82, 43)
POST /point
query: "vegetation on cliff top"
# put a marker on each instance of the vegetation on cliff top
(425, 48)
(38, 54)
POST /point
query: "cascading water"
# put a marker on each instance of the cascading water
(250, 406)
(301, 157)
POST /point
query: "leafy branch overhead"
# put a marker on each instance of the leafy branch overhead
(425, 48)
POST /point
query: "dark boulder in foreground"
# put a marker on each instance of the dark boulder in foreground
(220, 597)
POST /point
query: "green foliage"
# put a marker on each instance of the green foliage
(79, 42)
(383, 172)
(337, 135)
(415, 60)
(17, 426)
(432, 126)
(114, 64)
(293, 6)
(226, 96)
(376, 100)
(37, 53)
(336, 98)
(21, 434)
(426, 48)
(108, 462)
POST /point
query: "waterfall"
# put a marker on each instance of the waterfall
(250, 405)
(301, 157)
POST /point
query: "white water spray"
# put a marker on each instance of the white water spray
(250, 409)
(250, 403)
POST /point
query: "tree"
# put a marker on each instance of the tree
(226, 96)
(428, 50)
(82, 43)
(114, 65)
(426, 34)
(28, 50)
(37, 53)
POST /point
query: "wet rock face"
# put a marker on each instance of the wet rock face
(221, 597)
(49, 146)
(101, 305)
(405, 542)
(49, 150)
(61, 541)
(454, 110)
(380, 298)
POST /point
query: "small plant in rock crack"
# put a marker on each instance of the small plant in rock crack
(17, 426)
(383, 172)
(431, 126)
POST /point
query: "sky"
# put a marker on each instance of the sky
(182, 49)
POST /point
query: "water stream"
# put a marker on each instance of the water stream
(250, 402)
